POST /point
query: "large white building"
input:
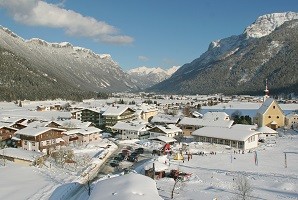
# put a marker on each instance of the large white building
(131, 130)
(239, 136)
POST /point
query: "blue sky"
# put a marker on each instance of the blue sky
(152, 33)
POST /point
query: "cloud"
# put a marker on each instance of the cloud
(143, 58)
(40, 13)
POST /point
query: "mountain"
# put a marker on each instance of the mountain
(267, 49)
(145, 77)
(36, 69)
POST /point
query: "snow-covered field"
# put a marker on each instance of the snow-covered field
(215, 176)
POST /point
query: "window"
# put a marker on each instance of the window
(25, 142)
(273, 107)
(277, 117)
(269, 116)
(33, 144)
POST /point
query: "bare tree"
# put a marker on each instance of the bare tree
(243, 187)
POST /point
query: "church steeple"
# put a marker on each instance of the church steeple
(266, 96)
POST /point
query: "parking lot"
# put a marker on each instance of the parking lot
(125, 158)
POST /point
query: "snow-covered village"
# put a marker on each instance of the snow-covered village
(148, 100)
(150, 147)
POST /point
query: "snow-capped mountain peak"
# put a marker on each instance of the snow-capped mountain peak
(11, 33)
(265, 24)
(154, 70)
(145, 77)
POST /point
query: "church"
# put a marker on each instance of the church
(269, 114)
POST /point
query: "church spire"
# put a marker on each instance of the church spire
(266, 96)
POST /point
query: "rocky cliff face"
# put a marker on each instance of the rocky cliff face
(267, 49)
(56, 66)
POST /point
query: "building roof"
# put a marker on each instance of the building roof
(264, 107)
(8, 127)
(83, 131)
(167, 119)
(129, 126)
(147, 108)
(115, 110)
(215, 116)
(206, 122)
(169, 128)
(35, 131)
(165, 139)
(21, 154)
(266, 129)
(239, 134)
(292, 115)
(130, 186)
(74, 123)
(158, 166)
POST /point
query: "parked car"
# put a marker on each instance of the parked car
(139, 150)
(156, 152)
(134, 154)
(114, 163)
(132, 158)
(118, 157)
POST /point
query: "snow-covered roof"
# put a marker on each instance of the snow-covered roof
(129, 126)
(225, 133)
(292, 115)
(158, 166)
(74, 123)
(147, 108)
(21, 154)
(169, 128)
(35, 131)
(115, 110)
(216, 116)
(165, 139)
(206, 122)
(197, 114)
(4, 125)
(264, 107)
(168, 119)
(245, 126)
(266, 129)
(130, 186)
(84, 131)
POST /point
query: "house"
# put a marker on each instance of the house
(6, 134)
(20, 156)
(270, 114)
(131, 130)
(75, 124)
(42, 139)
(93, 115)
(128, 186)
(242, 137)
(82, 136)
(266, 131)
(14, 122)
(117, 113)
(147, 111)
(169, 130)
(292, 120)
(161, 119)
(210, 119)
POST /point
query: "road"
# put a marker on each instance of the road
(82, 192)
